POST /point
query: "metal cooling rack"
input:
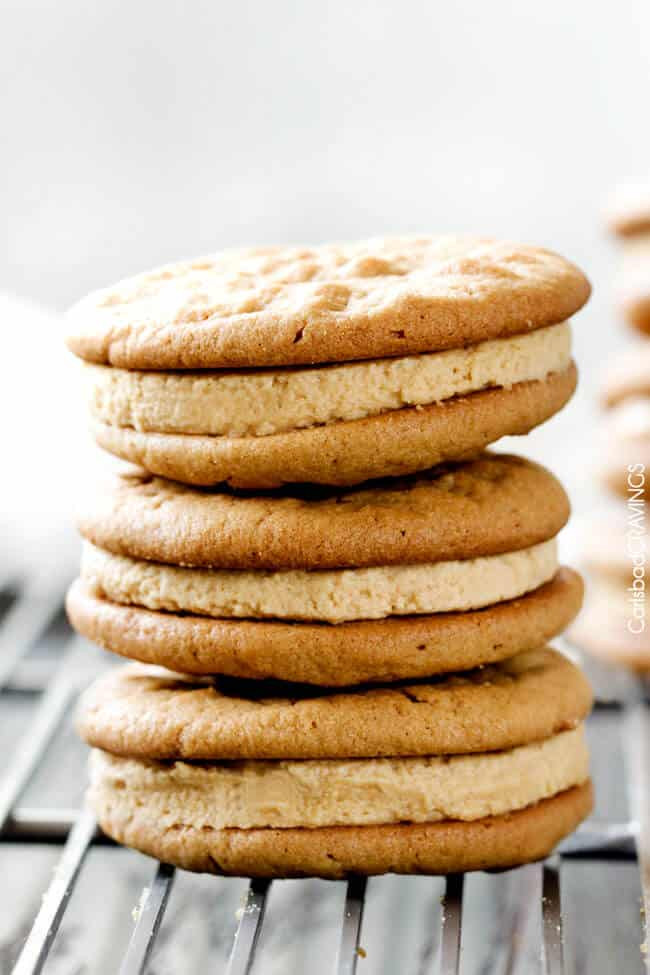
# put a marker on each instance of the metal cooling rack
(503, 923)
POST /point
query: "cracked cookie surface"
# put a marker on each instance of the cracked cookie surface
(333, 303)
(493, 504)
(149, 713)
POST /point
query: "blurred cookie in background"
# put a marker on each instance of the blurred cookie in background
(613, 624)
(624, 458)
(628, 377)
(628, 218)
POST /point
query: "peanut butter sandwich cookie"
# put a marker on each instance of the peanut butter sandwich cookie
(625, 454)
(442, 571)
(629, 219)
(332, 364)
(484, 770)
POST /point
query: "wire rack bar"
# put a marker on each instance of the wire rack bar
(28, 620)
(149, 917)
(50, 712)
(349, 950)
(529, 879)
(552, 927)
(25, 620)
(636, 749)
(248, 931)
(34, 954)
(451, 920)
(28, 824)
(601, 841)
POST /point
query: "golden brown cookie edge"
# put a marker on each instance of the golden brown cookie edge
(516, 504)
(408, 324)
(350, 653)
(393, 444)
(138, 712)
(494, 843)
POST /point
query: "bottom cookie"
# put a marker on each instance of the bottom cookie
(390, 444)
(449, 846)
(315, 653)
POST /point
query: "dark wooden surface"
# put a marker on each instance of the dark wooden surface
(401, 926)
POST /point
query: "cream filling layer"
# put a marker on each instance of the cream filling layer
(359, 792)
(267, 401)
(330, 596)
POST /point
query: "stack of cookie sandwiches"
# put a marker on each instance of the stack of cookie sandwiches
(337, 601)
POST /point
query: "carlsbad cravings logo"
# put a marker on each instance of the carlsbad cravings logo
(636, 545)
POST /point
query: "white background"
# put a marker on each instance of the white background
(134, 133)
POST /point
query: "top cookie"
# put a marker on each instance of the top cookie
(496, 503)
(278, 306)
